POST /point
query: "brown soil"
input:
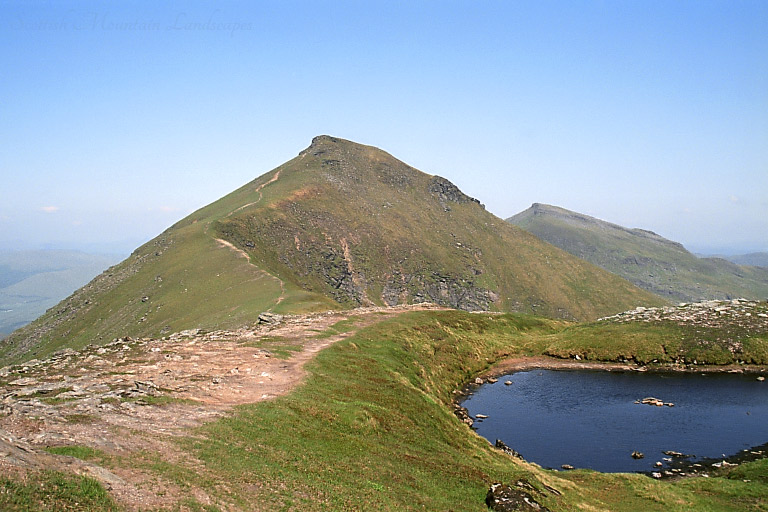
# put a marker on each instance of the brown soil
(132, 399)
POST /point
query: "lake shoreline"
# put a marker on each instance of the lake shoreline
(522, 363)
(681, 468)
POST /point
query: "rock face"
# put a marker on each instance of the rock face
(506, 498)
(446, 192)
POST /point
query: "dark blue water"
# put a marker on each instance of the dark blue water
(589, 419)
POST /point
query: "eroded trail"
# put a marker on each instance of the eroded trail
(130, 399)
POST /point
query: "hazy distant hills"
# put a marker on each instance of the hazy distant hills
(339, 226)
(646, 259)
(33, 281)
(756, 259)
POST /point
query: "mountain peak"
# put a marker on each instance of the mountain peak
(643, 257)
(324, 139)
(341, 225)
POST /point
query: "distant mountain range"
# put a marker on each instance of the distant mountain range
(755, 259)
(341, 225)
(33, 281)
(644, 258)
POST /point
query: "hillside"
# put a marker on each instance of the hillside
(262, 419)
(755, 259)
(642, 257)
(33, 281)
(340, 225)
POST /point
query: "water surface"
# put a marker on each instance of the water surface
(588, 419)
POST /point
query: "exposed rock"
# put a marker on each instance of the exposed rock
(270, 318)
(501, 445)
(504, 498)
(445, 191)
(654, 401)
(673, 453)
(463, 414)
(637, 455)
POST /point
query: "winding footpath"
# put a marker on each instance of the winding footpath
(132, 398)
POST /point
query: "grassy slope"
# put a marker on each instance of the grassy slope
(188, 279)
(333, 227)
(372, 430)
(400, 236)
(54, 492)
(647, 260)
(663, 343)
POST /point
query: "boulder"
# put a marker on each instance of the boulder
(501, 445)
(505, 498)
(270, 318)
(463, 414)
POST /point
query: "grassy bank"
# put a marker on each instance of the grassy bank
(51, 491)
(372, 429)
(661, 342)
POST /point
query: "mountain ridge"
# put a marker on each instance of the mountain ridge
(338, 226)
(645, 258)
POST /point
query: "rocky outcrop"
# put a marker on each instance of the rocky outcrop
(508, 498)
(463, 414)
(443, 289)
(710, 313)
(446, 192)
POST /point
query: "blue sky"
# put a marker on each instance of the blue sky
(121, 117)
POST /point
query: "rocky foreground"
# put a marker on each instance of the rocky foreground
(749, 314)
(128, 400)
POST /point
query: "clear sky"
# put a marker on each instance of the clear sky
(118, 118)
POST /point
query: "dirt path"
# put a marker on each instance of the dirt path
(131, 398)
(226, 244)
(258, 189)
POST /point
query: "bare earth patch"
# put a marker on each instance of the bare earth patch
(130, 400)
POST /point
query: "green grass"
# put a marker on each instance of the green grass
(159, 400)
(651, 262)
(372, 429)
(278, 346)
(661, 342)
(339, 327)
(51, 491)
(323, 237)
(80, 452)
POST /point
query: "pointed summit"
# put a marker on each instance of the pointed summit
(339, 226)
